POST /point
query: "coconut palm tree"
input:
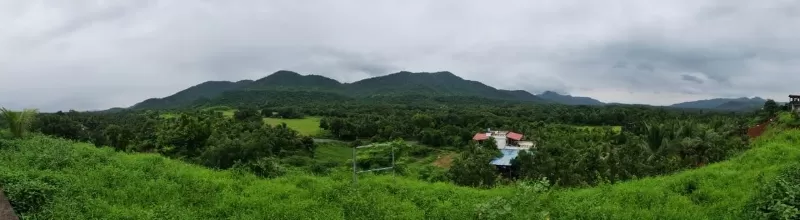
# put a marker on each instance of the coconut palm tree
(18, 122)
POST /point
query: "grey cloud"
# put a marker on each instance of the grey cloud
(691, 78)
(98, 55)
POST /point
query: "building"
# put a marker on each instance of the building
(794, 102)
(509, 143)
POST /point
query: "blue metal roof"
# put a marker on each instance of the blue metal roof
(505, 160)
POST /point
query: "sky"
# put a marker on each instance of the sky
(92, 55)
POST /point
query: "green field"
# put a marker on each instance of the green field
(306, 126)
(613, 128)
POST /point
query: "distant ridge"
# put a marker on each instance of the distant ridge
(403, 84)
(730, 104)
(568, 99)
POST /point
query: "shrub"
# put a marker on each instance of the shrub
(266, 167)
(779, 198)
(27, 195)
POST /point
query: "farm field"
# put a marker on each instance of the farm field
(616, 129)
(306, 126)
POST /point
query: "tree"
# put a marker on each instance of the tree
(771, 107)
(18, 122)
(247, 114)
(472, 167)
(422, 120)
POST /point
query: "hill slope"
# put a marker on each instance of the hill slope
(568, 99)
(210, 89)
(47, 178)
(723, 103)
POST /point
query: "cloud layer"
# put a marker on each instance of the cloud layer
(89, 55)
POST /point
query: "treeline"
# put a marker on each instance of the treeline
(202, 137)
(454, 125)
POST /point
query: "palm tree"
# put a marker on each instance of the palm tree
(18, 122)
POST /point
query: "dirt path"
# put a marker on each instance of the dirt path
(6, 211)
(759, 129)
(444, 161)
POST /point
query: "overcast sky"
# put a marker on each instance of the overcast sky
(96, 54)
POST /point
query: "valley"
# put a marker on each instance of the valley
(270, 148)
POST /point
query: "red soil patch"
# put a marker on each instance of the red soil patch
(6, 211)
(758, 130)
(444, 161)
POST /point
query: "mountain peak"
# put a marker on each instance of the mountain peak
(284, 73)
(549, 93)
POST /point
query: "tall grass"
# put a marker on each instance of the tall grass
(58, 179)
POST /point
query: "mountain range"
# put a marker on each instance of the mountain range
(405, 84)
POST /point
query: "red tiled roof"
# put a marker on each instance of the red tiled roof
(514, 136)
(480, 137)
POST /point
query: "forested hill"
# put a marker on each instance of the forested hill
(569, 100)
(295, 85)
(208, 89)
(285, 86)
(737, 104)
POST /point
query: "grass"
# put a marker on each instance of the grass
(616, 129)
(337, 152)
(717, 191)
(306, 126)
(68, 180)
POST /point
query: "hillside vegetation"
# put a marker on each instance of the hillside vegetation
(48, 178)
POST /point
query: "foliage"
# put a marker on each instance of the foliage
(18, 122)
(99, 183)
(472, 167)
(771, 107)
(778, 198)
(111, 185)
(527, 195)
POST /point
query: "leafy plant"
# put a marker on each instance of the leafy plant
(18, 122)
(779, 198)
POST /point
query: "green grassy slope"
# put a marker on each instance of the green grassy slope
(79, 181)
(717, 191)
(65, 180)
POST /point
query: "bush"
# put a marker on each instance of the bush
(297, 161)
(779, 198)
(322, 168)
(266, 167)
(28, 196)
